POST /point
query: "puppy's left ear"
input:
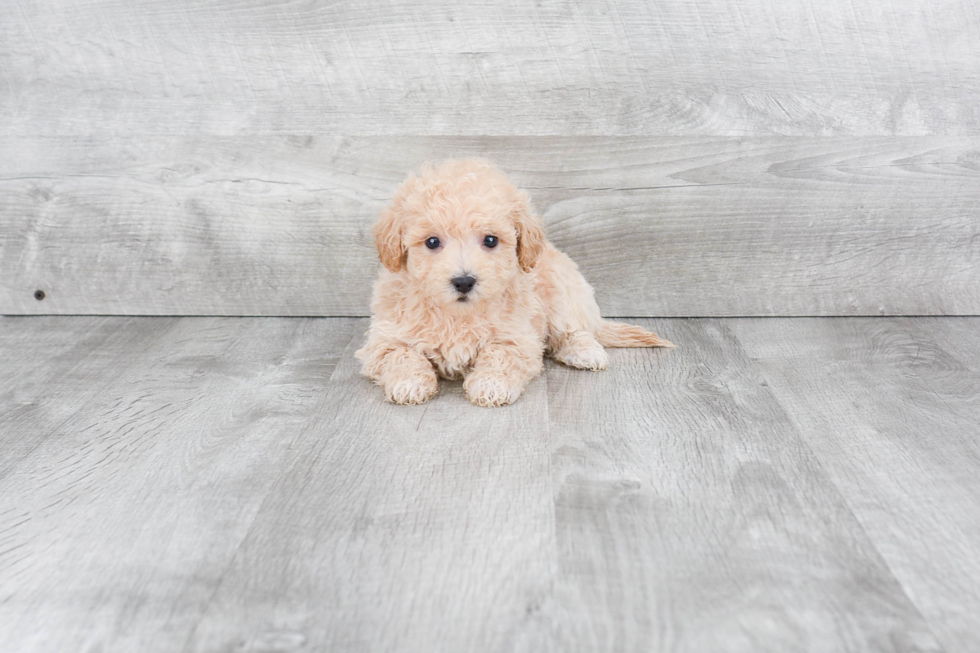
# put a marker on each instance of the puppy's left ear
(531, 240)
(388, 239)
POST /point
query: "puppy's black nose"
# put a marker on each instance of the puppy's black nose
(464, 284)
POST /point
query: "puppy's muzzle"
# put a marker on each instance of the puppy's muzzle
(463, 284)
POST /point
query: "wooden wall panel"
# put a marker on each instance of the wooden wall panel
(709, 158)
(581, 67)
(279, 225)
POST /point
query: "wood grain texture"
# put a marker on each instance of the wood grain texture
(691, 515)
(54, 366)
(209, 485)
(427, 528)
(118, 68)
(280, 225)
(958, 338)
(152, 445)
(891, 408)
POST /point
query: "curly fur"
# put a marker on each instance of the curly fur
(529, 298)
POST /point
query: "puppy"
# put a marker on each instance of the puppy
(473, 290)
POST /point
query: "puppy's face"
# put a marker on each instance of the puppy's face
(464, 258)
(461, 232)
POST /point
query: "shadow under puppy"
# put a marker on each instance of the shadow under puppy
(473, 290)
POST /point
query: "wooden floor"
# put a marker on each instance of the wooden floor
(232, 484)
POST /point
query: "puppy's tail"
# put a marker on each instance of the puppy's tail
(617, 334)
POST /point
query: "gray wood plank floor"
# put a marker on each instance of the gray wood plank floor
(232, 484)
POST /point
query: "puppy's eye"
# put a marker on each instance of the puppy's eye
(490, 242)
(432, 243)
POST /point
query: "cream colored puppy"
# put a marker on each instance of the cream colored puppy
(473, 290)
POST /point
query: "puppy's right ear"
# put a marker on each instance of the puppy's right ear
(388, 240)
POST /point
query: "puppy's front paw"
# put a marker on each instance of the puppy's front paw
(489, 390)
(415, 389)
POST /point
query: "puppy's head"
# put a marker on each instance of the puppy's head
(460, 231)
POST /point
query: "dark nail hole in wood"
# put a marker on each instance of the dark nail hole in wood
(39, 295)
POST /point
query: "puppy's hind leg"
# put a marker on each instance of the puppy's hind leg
(572, 313)
(580, 349)
(577, 332)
